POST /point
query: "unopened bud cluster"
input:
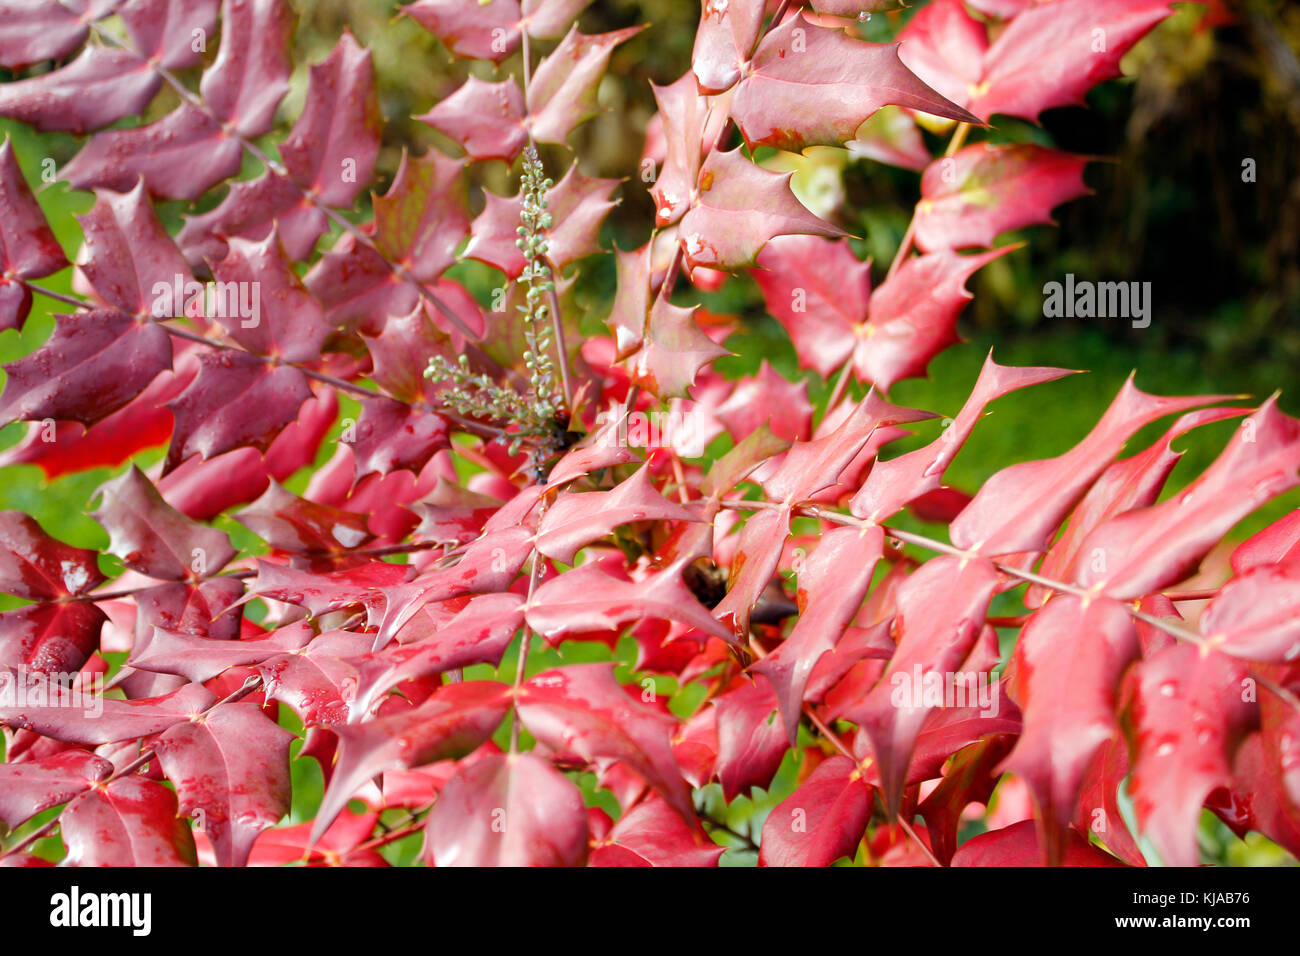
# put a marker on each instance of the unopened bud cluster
(536, 415)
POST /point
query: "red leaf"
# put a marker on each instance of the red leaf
(819, 291)
(283, 320)
(392, 436)
(1189, 715)
(1017, 845)
(181, 156)
(81, 718)
(452, 723)
(482, 31)
(50, 638)
(562, 93)
(424, 215)
(28, 788)
(1020, 507)
(153, 538)
(900, 481)
(507, 810)
(800, 62)
(751, 738)
(726, 36)
(231, 773)
(128, 256)
(486, 119)
(739, 209)
(941, 610)
(330, 152)
(1257, 616)
(651, 834)
(478, 634)
(236, 401)
(289, 523)
(94, 363)
(583, 710)
(821, 821)
(28, 248)
(829, 598)
(1069, 661)
(1279, 543)
(130, 822)
(202, 658)
(1151, 548)
(35, 566)
(250, 75)
(576, 520)
(45, 30)
(588, 599)
(99, 87)
(972, 197)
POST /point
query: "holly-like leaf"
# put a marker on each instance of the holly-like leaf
(1053, 54)
(99, 87)
(77, 717)
(28, 248)
(577, 203)
(673, 351)
(800, 62)
(28, 788)
(1190, 711)
(724, 40)
(53, 638)
(250, 75)
(913, 316)
(821, 821)
(237, 400)
(972, 197)
(819, 291)
(128, 256)
(899, 481)
(507, 810)
(35, 566)
(1069, 662)
(1257, 616)
(471, 28)
(251, 209)
(1279, 543)
(1148, 549)
(576, 520)
(391, 436)
(318, 682)
(941, 610)
(281, 319)
(231, 773)
(486, 119)
(452, 723)
(739, 209)
(588, 599)
(290, 523)
(478, 634)
(200, 658)
(582, 709)
(562, 93)
(181, 156)
(330, 152)
(163, 31)
(129, 822)
(424, 215)
(93, 364)
(1017, 845)
(46, 29)
(829, 598)
(1134, 482)
(1020, 507)
(152, 537)
(692, 124)
(651, 834)
(751, 739)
